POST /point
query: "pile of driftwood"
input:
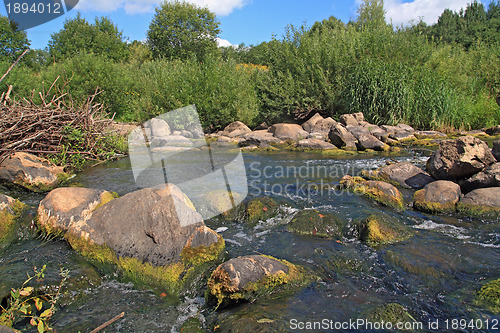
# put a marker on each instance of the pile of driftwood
(48, 128)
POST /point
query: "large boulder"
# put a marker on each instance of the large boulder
(375, 130)
(159, 128)
(235, 129)
(404, 174)
(496, 150)
(261, 138)
(438, 197)
(489, 177)
(368, 141)
(481, 202)
(341, 137)
(152, 234)
(460, 158)
(314, 144)
(308, 125)
(313, 223)
(32, 172)
(323, 126)
(67, 207)
(249, 277)
(495, 130)
(260, 209)
(10, 212)
(292, 132)
(379, 229)
(379, 191)
(352, 119)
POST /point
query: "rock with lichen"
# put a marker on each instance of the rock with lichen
(379, 229)
(260, 209)
(379, 191)
(314, 223)
(489, 296)
(403, 174)
(250, 277)
(483, 202)
(10, 213)
(437, 197)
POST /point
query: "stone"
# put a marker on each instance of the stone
(437, 197)
(10, 212)
(496, 150)
(341, 137)
(314, 144)
(31, 172)
(402, 136)
(238, 127)
(389, 313)
(493, 130)
(313, 223)
(379, 229)
(186, 134)
(483, 202)
(404, 174)
(429, 135)
(323, 126)
(171, 141)
(159, 128)
(368, 141)
(260, 209)
(352, 119)
(489, 177)
(5, 329)
(263, 126)
(292, 132)
(391, 130)
(308, 125)
(489, 295)
(460, 158)
(260, 138)
(196, 131)
(406, 128)
(358, 130)
(376, 131)
(68, 207)
(378, 191)
(246, 278)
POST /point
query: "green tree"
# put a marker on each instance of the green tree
(77, 35)
(371, 15)
(12, 41)
(180, 30)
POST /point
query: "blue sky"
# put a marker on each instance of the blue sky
(243, 21)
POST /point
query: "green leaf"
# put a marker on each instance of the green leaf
(38, 303)
(26, 291)
(46, 313)
(41, 327)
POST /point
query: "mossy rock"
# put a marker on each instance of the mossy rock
(192, 325)
(220, 203)
(489, 296)
(393, 313)
(380, 229)
(378, 191)
(251, 277)
(173, 278)
(260, 209)
(437, 197)
(412, 266)
(11, 211)
(314, 223)
(483, 202)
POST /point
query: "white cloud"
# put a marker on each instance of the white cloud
(429, 10)
(219, 7)
(224, 43)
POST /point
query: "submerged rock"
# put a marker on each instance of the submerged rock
(379, 229)
(489, 177)
(66, 207)
(292, 132)
(460, 158)
(481, 202)
(437, 197)
(249, 277)
(404, 174)
(379, 191)
(314, 223)
(489, 296)
(260, 209)
(341, 137)
(10, 212)
(31, 172)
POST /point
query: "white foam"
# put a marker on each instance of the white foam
(449, 230)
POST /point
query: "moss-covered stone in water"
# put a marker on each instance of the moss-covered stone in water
(260, 209)
(477, 210)
(412, 266)
(381, 192)
(382, 229)
(9, 221)
(312, 222)
(390, 313)
(489, 296)
(220, 202)
(192, 325)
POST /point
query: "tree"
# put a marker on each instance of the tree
(332, 23)
(180, 30)
(371, 15)
(12, 41)
(77, 35)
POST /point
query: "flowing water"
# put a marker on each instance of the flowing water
(434, 274)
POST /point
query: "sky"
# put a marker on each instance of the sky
(243, 21)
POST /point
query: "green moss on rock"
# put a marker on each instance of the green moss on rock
(390, 313)
(192, 325)
(314, 223)
(489, 296)
(378, 191)
(379, 229)
(9, 221)
(468, 209)
(412, 266)
(260, 209)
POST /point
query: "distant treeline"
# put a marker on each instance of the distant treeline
(446, 75)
